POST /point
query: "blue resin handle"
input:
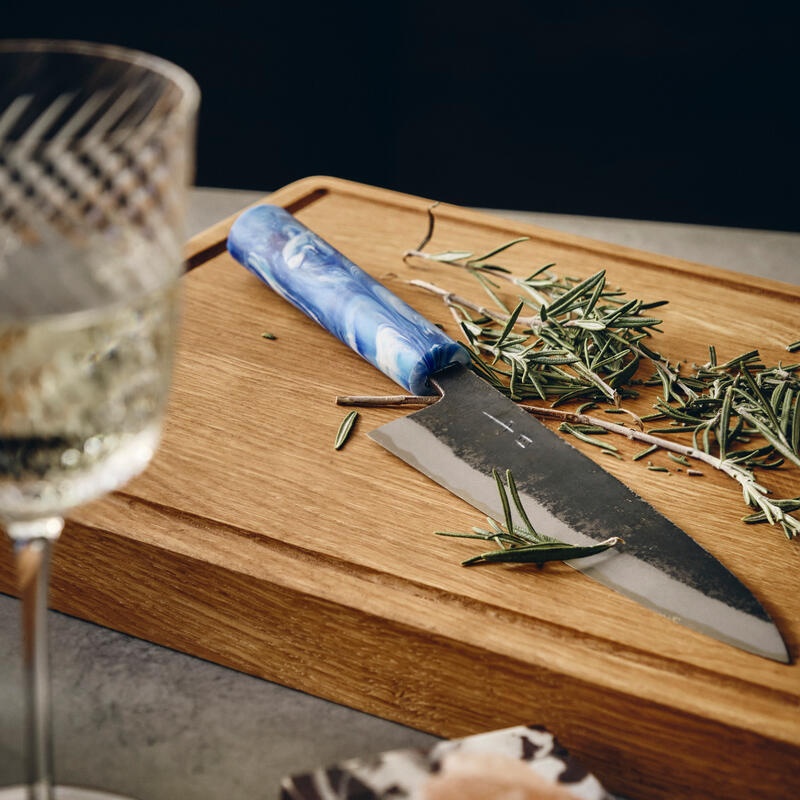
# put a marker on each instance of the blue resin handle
(341, 297)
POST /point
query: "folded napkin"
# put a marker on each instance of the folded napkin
(521, 763)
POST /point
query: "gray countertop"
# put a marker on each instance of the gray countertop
(155, 724)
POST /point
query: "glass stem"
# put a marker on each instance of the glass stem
(33, 544)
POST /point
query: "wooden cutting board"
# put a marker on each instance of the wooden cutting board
(251, 542)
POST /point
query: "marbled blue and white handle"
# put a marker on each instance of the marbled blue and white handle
(341, 297)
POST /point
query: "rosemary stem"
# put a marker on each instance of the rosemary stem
(534, 322)
(454, 314)
(451, 297)
(386, 400)
(551, 413)
(457, 263)
(741, 476)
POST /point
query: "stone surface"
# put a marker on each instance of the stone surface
(145, 721)
(142, 720)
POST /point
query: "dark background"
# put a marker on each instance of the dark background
(632, 109)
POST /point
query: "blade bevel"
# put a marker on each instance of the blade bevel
(473, 429)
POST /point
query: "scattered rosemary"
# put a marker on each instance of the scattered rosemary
(583, 339)
(267, 335)
(522, 544)
(730, 404)
(345, 429)
(568, 339)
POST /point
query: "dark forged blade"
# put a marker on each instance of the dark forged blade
(474, 429)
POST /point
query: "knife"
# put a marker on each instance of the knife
(473, 429)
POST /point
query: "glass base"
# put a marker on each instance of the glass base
(61, 793)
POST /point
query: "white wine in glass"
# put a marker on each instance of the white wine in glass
(96, 151)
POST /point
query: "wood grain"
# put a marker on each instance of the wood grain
(251, 542)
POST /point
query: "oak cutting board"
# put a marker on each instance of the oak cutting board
(251, 542)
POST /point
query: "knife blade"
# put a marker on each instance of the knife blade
(473, 429)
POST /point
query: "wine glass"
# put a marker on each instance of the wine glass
(96, 151)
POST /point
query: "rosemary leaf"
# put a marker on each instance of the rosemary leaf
(501, 490)
(596, 294)
(680, 459)
(498, 250)
(654, 304)
(645, 452)
(786, 414)
(588, 324)
(484, 536)
(785, 505)
(770, 435)
(565, 299)
(795, 441)
(449, 256)
(540, 271)
(567, 428)
(509, 325)
(345, 429)
(672, 429)
(487, 285)
(724, 422)
(512, 487)
(589, 429)
(541, 554)
(761, 400)
(744, 358)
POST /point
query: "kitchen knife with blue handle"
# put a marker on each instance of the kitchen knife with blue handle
(473, 429)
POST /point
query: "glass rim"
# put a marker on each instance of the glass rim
(190, 91)
(186, 106)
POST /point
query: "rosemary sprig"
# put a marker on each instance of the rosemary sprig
(522, 544)
(580, 343)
